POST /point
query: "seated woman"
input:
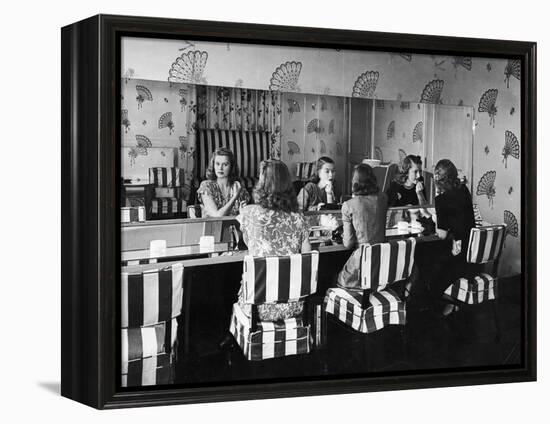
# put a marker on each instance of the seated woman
(364, 219)
(455, 219)
(320, 189)
(407, 188)
(274, 226)
(221, 193)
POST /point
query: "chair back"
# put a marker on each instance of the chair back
(279, 278)
(166, 177)
(486, 243)
(385, 263)
(305, 170)
(151, 297)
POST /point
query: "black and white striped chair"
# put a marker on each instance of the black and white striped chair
(169, 200)
(249, 148)
(151, 301)
(485, 246)
(375, 305)
(274, 279)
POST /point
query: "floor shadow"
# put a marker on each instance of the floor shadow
(51, 386)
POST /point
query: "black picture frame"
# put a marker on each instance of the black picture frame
(91, 218)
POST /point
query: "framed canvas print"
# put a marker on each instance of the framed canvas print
(255, 211)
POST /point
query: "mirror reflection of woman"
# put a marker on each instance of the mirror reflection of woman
(408, 186)
(221, 193)
(321, 189)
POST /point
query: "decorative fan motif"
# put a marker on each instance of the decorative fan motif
(339, 149)
(378, 154)
(314, 126)
(189, 68)
(165, 121)
(285, 77)
(293, 148)
(406, 56)
(324, 104)
(143, 142)
(293, 106)
(402, 155)
(513, 69)
(390, 133)
(323, 147)
(143, 94)
(487, 104)
(124, 120)
(465, 62)
(486, 186)
(511, 147)
(511, 223)
(418, 131)
(432, 92)
(366, 83)
(128, 74)
(331, 126)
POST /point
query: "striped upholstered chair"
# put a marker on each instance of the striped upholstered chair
(169, 200)
(485, 246)
(151, 301)
(375, 305)
(274, 279)
(249, 148)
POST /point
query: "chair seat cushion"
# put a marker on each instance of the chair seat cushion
(143, 342)
(152, 370)
(168, 206)
(383, 308)
(478, 289)
(271, 339)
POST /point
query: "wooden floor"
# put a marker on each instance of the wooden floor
(464, 339)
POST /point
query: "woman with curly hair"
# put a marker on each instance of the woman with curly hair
(364, 219)
(274, 226)
(321, 189)
(407, 188)
(455, 219)
(221, 193)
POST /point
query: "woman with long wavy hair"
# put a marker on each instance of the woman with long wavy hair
(274, 226)
(321, 189)
(221, 193)
(455, 219)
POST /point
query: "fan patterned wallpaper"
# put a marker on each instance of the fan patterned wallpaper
(491, 86)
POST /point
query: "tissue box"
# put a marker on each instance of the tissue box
(132, 214)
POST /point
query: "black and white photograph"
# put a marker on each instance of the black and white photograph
(292, 213)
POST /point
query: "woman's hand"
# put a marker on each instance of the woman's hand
(235, 190)
(419, 187)
(318, 207)
(457, 247)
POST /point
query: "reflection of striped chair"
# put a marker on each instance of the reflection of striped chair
(170, 192)
(304, 171)
(249, 148)
(150, 303)
(274, 279)
(374, 306)
(485, 246)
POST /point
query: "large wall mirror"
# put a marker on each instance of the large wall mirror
(258, 124)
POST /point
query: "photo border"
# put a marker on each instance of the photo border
(90, 221)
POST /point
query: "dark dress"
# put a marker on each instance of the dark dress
(311, 195)
(399, 195)
(455, 214)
